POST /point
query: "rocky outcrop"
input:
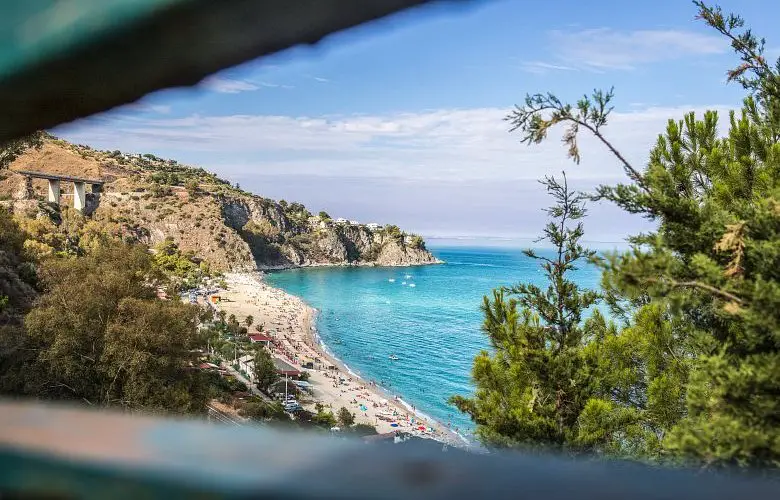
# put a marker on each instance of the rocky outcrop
(238, 211)
(279, 240)
(394, 254)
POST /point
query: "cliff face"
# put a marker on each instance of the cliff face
(154, 199)
(278, 238)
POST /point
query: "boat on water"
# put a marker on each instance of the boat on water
(408, 276)
(412, 285)
(403, 282)
(391, 280)
(393, 357)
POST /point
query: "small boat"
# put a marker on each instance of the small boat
(391, 280)
(393, 357)
(412, 285)
(408, 276)
(403, 282)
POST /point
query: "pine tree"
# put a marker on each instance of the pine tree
(533, 387)
(700, 295)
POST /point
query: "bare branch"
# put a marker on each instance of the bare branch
(696, 284)
(543, 111)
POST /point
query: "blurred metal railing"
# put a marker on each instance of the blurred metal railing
(61, 452)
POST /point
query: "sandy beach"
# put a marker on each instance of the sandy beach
(291, 322)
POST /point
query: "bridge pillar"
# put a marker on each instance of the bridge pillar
(54, 190)
(79, 196)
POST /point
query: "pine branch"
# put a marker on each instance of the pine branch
(591, 113)
(696, 284)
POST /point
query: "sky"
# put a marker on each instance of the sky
(401, 120)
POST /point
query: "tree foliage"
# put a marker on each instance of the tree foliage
(11, 149)
(345, 417)
(324, 419)
(264, 411)
(265, 370)
(17, 272)
(99, 335)
(183, 269)
(532, 389)
(692, 373)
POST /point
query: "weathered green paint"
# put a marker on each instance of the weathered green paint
(32, 31)
(64, 59)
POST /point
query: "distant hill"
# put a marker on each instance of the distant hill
(157, 198)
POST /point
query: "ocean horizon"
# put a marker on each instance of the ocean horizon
(428, 317)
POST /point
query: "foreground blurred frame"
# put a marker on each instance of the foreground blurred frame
(56, 451)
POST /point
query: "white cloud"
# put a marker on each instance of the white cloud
(605, 48)
(442, 171)
(275, 85)
(541, 68)
(227, 85)
(459, 144)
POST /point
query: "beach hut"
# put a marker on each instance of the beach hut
(284, 368)
(260, 338)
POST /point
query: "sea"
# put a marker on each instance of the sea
(428, 317)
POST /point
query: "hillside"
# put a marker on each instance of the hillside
(153, 199)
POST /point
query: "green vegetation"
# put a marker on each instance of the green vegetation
(265, 370)
(324, 419)
(345, 417)
(11, 149)
(192, 186)
(184, 270)
(260, 410)
(98, 334)
(17, 275)
(690, 373)
(296, 213)
(416, 241)
(361, 430)
(541, 366)
(393, 232)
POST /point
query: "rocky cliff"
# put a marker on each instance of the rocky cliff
(152, 199)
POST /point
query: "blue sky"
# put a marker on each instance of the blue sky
(401, 120)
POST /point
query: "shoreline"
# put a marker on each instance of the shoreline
(292, 323)
(286, 267)
(460, 440)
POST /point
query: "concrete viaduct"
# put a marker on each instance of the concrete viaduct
(79, 185)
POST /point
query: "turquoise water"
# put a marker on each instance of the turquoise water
(433, 328)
